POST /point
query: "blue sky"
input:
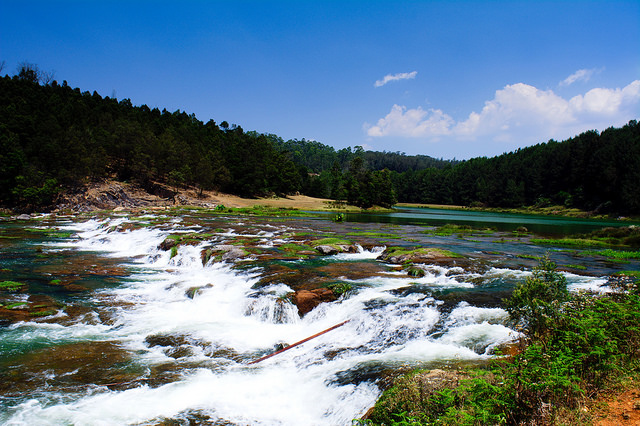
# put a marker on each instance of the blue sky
(447, 79)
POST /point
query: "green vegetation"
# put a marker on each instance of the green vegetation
(574, 347)
(42, 313)
(537, 301)
(11, 286)
(449, 229)
(340, 288)
(581, 267)
(261, 210)
(569, 242)
(592, 172)
(15, 305)
(620, 236)
(54, 136)
(616, 254)
(415, 272)
(419, 252)
(331, 242)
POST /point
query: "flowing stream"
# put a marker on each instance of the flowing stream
(167, 339)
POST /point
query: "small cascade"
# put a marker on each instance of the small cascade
(272, 306)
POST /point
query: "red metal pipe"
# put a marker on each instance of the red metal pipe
(299, 343)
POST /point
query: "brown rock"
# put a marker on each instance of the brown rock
(306, 300)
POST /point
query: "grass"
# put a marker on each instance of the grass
(580, 267)
(528, 256)
(11, 285)
(42, 313)
(295, 248)
(449, 229)
(331, 242)
(616, 254)
(262, 210)
(570, 242)
(15, 305)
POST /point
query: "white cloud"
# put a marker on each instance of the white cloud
(400, 76)
(580, 75)
(519, 114)
(414, 123)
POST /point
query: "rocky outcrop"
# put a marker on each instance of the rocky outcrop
(101, 196)
(306, 300)
(335, 249)
(421, 255)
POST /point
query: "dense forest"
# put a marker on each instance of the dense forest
(54, 137)
(592, 171)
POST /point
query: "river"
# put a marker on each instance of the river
(115, 330)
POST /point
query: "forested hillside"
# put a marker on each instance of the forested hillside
(54, 137)
(592, 171)
(317, 157)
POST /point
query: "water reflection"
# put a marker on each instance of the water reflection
(544, 225)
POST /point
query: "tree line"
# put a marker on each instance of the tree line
(592, 171)
(54, 137)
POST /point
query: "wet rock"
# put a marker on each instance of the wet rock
(327, 249)
(234, 253)
(194, 291)
(67, 366)
(421, 255)
(306, 300)
(168, 244)
(415, 272)
(36, 307)
(167, 340)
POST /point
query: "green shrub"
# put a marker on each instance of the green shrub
(537, 302)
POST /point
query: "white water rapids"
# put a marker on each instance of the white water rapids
(228, 323)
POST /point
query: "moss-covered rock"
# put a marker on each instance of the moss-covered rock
(400, 255)
(329, 246)
(12, 286)
(175, 240)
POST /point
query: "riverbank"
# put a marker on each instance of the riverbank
(529, 210)
(115, 195)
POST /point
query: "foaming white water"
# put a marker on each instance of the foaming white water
(584, 283)
(224, 322)
(361, 254)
